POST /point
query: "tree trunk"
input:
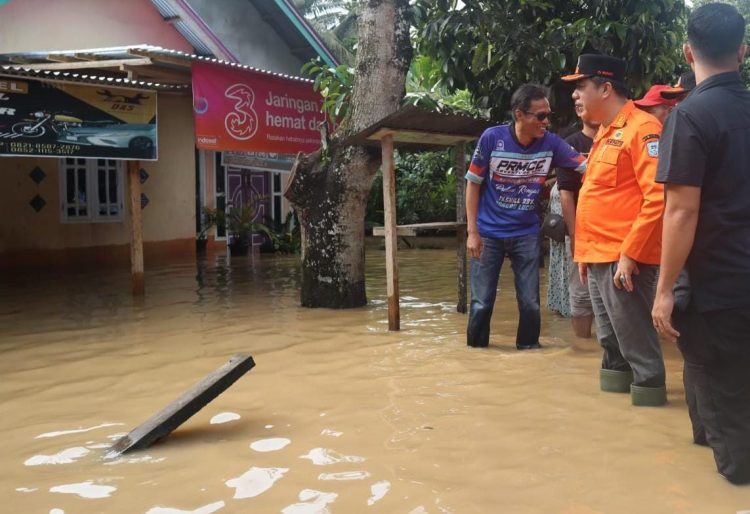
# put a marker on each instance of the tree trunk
(330, 191)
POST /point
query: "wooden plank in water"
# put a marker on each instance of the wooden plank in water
(176, 413)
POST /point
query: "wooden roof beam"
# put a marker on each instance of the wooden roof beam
(183, 62)
(156, 73)
(64, 58)
(80, 65)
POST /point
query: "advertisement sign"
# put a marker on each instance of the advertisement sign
(45, 119)
(248, 111)
(258, 161)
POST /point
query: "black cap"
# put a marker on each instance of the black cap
(593, 65)
(685, 84)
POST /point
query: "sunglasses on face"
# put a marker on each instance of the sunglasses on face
(541, 116)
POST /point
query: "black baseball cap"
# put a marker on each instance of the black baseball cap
(594, 65)
(685, 84)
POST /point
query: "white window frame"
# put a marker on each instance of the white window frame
(277, 194)
(92, 192)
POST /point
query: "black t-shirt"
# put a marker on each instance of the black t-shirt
(706, 143)
(568, 179)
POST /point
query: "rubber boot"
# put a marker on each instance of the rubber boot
(613, 381)
(648, 396)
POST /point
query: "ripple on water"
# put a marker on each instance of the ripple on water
(270, 445)
(76, 431)
(67, 456)
(255, 482)
(346, 475)
(86, 489)
(224, 417)
(206, 509)
(311, 502)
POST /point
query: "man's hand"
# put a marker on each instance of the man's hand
(583, 273)
(662, 315)
(474, 245)
(623, 278)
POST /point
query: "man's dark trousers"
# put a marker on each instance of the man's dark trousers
(716, 348)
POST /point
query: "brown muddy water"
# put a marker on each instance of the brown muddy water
(339, 415)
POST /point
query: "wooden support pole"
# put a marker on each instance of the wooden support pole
(136, 228)
(461, 220)
(176, 413)
(391, 243)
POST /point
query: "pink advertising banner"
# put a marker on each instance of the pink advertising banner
(248, 111)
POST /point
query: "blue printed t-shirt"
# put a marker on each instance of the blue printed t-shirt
(513, 176)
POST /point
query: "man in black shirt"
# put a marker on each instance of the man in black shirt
(569, 183)
(705, 164)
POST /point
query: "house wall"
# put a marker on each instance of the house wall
(241, 29)
(47, 25)
(31, 238)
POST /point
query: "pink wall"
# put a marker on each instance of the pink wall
(38, 25)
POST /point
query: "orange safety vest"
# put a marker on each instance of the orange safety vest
(620, 205)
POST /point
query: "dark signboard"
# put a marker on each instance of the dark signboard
(258, 160)
(49, 119)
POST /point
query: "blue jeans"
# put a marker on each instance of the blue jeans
(485, 272)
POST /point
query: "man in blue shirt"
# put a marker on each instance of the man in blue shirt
(504, 181)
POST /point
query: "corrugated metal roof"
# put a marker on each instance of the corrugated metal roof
(163, 60)
(168, 12)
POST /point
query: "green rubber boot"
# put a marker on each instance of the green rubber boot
(613, 381)
(648, 396)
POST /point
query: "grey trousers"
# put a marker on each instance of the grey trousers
(623, 323)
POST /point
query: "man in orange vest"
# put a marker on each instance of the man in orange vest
(618, 229)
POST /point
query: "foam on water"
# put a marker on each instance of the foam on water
(326, 457)
(224, 417)
(67, 456)
(255, 482)
(206, 509)
(378, 490)
(311, 502)
(331, 433)
(270, 445)
(86, 489)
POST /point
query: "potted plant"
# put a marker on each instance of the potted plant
(241, 226)
(211, 218)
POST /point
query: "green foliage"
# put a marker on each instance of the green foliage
(335, 86)
(425, 191)
(241, 223)
(491, 48)
(286, 236)
(426, 89)
(211, 218)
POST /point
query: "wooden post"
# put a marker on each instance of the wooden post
(136, 228)
(461, 228)
(391, 242)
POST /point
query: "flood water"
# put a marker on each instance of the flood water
(338, 416)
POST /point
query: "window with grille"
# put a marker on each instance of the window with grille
(91, 190)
